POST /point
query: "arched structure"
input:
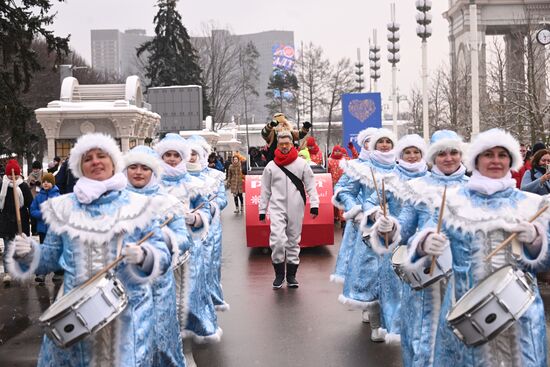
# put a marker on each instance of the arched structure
(115, 109)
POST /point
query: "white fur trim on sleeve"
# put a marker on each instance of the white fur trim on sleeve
(394, 237)
(535, 263)
(418, 239)
(135, 272)
(352, 213)
(202, 232)
(337, 203)
(14, 266)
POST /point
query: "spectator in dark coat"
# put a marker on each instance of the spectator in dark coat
(8, 222)
(537, 179)
(54, 165)
(65, 178)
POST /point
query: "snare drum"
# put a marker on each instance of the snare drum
(84, 311)
(418, 277)
(492, 306)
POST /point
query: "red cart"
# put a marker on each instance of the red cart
(315, 232)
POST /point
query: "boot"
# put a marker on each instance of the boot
(279, 275)
(291, 275)
(378, 334)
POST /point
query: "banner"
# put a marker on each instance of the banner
(359, 111)
(283, 56)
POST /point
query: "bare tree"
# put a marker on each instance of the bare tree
(313, 79)
(248, 63)
(341, 80)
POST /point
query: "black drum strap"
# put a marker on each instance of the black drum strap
(296, 181)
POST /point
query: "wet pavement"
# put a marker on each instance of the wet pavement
(290, 327)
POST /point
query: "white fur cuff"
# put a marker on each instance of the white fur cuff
(136, 272)
(202, 232)
(21, 270)
(377, 241)
(352, 213)
(335, 201)
(540, 259)
(413, 259)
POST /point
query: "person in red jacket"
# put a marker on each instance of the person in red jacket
(315, 153)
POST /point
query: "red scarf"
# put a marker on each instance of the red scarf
(282, 159)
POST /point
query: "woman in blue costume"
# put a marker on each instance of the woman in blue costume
(361, 285)
(421, 198)
(477, 218)
(352, 212)
(142, 167)
(410, 152)
(196, 312)
(88, 229)
(215, 233)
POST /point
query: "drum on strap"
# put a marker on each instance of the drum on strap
(84, 310)
(181, 259)
(418, 277)
(492, 306)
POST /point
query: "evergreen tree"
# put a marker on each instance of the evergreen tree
(172, 58)
(282, 87)
(21, 23)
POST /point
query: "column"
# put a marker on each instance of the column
(125, 143)
(51, 148)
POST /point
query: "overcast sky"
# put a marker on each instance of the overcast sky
(339, 28)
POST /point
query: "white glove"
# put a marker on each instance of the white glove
(23, 245)
(526, 232)
(385, 224)
(376, 214)
(190, 219)
(134, 254)
(435, 244)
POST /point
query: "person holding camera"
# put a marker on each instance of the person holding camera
(278, 124)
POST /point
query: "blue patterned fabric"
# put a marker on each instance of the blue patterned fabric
(524, 343)
(129, 339)
(361, 285)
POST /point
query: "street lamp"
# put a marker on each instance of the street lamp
(393, 58)
(424, 31)
(359, 72)
(374, 57)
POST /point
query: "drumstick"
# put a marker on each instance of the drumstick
(16, 200)
(121, 257)
(376, 188)
(513, 235)
(384, 210)
(439, 223)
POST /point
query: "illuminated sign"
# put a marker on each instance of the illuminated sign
(283, 56)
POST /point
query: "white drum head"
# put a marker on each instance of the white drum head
(475, 295)
(399, 256)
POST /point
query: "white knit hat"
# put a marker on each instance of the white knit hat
(142, 154)
(173, 142)
(379, 134)
(491, 139)
(412, 140)
(365, 134)
(443, 141)
(91, 141)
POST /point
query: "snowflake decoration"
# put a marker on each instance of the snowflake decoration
(255, 199)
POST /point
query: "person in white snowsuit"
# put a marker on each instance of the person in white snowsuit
(284, 182)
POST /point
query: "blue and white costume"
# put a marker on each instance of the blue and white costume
(421, 198)
(82, 239)
(196, 311)
(361, 285)
(478, 217)
(213, 259)
(169, 348)
(351, 210)
(390, 284)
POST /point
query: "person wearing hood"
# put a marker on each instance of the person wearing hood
(142, 168)
(410, 151)
(195, 309)
(361, 284)
(35, 177)
(213, 258)
(315, 153)
(350, 202)
(477, 218)
(8, 222)
(285, 181)
(83, 238)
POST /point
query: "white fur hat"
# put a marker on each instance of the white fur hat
(142, 154)
(365, 134)
(197, 139)
(412, 140)
(442, 141)
(173, 142)
(491, 139)
(91, 141)
(379, 134)
(195, 145)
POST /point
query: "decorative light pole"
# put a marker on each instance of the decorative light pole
(374, 57)
(393, 58)
(474, 62)
(359, 72)
(424, 30)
